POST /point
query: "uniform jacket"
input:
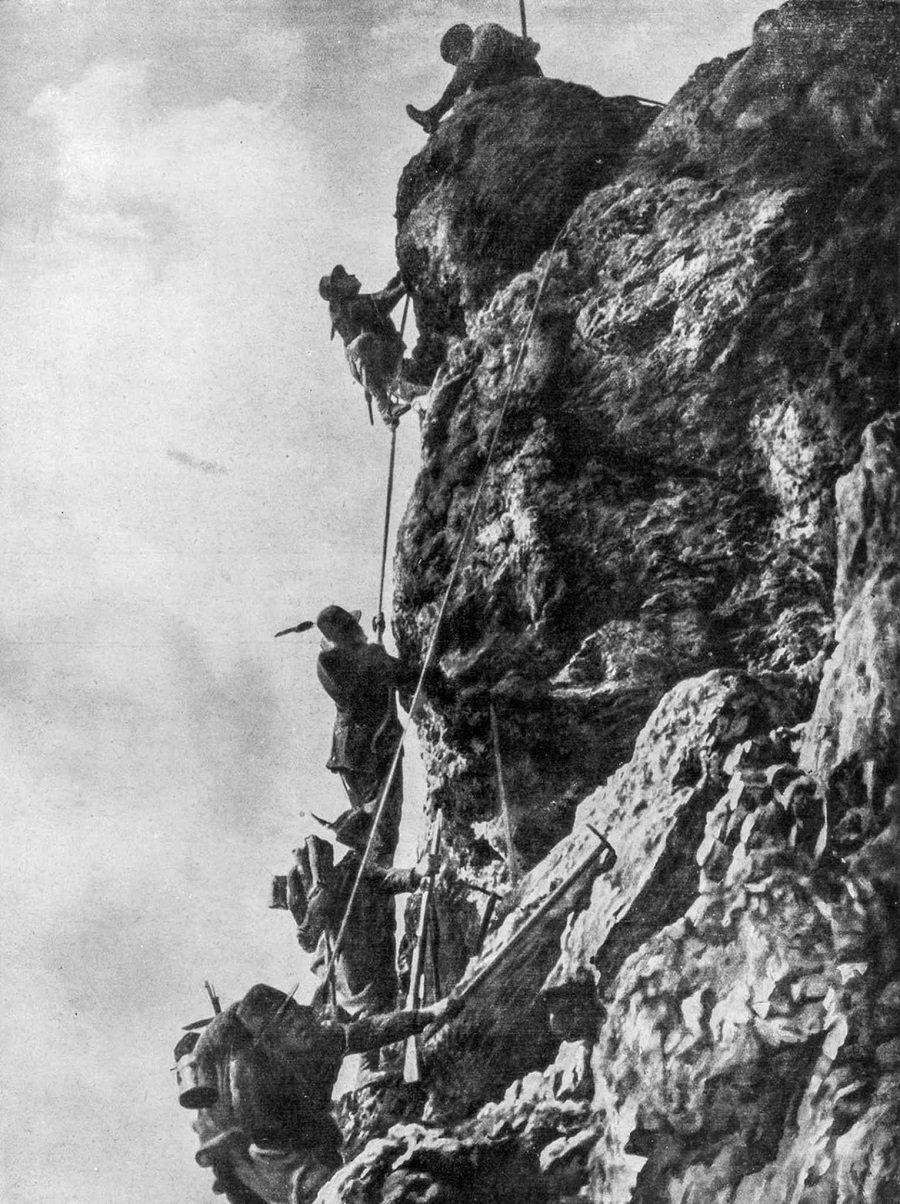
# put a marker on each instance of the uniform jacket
(362, 681)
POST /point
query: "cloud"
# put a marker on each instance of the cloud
(207, 466)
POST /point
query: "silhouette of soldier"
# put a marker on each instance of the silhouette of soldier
(316, 892)
(484, 57)
(363, 681)
(372, 343)
(265, 1071)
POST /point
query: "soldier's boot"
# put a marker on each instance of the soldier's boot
(423, 117)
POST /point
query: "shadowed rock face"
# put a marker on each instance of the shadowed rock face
(492, 188)
(682, 596)
(715, 334)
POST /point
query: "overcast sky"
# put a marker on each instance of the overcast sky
(186, 467)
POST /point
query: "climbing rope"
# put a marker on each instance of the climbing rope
(378, 622)
(403, 319)
(454, 573)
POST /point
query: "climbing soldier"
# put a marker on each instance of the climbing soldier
(484, 57)
(317, 893)
(372, 343)
(262, 1076)
(363, 681)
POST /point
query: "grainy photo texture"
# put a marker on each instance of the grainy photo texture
(451, 602)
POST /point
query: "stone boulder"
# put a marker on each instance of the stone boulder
(494, 185)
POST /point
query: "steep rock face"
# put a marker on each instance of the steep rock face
(739, 1050)
(784, 969)
(746, 949)
(716, 330)
(493, 186)
(653, 812)
(853, 743)
(682, 599)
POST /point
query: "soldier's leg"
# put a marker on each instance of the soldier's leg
(364, 792)
(358, 788)
(377, 922)
(384, 1000)
(389, 828)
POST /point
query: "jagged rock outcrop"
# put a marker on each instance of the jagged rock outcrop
(716, 332)
(494, 185)
(653, 812)
(683, 598)
(746, 951)
(853, 743)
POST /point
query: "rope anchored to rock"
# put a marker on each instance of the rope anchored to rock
(378, 623)
(461, 552)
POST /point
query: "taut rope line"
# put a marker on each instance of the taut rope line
(454, 572)
(379, 614)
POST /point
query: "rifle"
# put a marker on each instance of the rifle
(213, 997)
(412, 1070)
(195, 1025)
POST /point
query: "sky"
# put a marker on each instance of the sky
(185, 468)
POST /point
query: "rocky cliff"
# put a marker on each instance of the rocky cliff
(683, 601)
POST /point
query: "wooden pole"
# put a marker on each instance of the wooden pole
(330, 984)
(522, 16)
(412, 1070)
(604, 848)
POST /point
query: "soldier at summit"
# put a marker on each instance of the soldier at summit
(372, 343)
(484, 57)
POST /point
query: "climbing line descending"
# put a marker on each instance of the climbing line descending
(379, 623)
(512, 861)
(454, 573)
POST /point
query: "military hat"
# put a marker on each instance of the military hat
(260, 1005)
(351, 828)
(456, 43)
(338, 283)
(335, 619)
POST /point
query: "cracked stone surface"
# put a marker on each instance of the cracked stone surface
(682, 599)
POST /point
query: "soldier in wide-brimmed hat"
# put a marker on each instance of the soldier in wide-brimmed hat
(483, 57)
(372, 343)
(265, 1122)
(316, 892)
(363, 681)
